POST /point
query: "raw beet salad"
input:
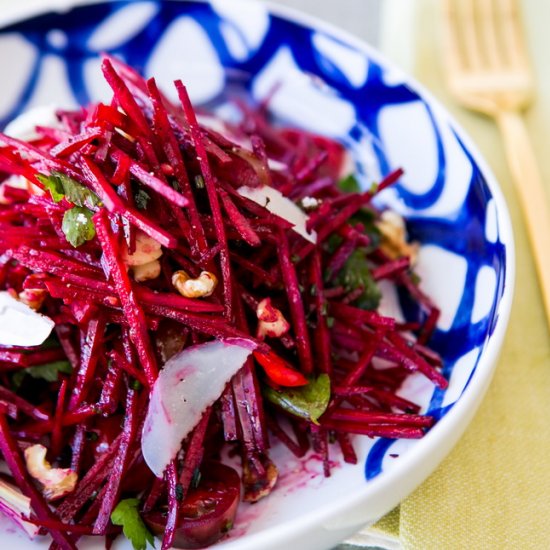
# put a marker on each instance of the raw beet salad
(172, 294)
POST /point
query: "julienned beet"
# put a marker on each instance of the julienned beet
(143, 234)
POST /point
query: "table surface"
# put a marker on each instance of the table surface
(360, 17)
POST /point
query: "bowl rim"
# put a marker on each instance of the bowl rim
(449, 428)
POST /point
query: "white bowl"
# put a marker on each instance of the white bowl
(451, 200)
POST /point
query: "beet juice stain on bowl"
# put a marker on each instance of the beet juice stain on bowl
(233, 58)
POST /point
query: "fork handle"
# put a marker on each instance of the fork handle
(532, 196)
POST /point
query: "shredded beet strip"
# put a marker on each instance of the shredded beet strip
(157, 171)
(282, 436)
(24, 406)
(152, 181)
(321, 335)
(210, 185)
(375, 430)
(132, 309)
(12, 456)
(60, 526)
(240, 222)
(90, 483)
(14, 357)
(125, 98)
(75, 143)
(114, 204)
(49, 162)
(292, 287)
(391, 269)
(89, 357)
(196, 235)
(58, 419)
(346, 447)
(120, 464)
(248, 399)
(77, 447)
(415, 361)
(173, 506)
(368, 417)
(320, 445)
(229, 415)
(121, 362)
(51, 262)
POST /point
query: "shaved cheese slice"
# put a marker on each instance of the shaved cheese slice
(20, 325)
(189, 383)
(280, 205)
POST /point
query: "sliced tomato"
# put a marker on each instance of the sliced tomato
(207, 512)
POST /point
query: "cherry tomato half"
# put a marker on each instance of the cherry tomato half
(207, 512)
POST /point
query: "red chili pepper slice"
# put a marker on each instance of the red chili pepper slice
(278, 370)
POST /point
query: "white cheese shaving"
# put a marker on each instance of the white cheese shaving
(190, 382)
(280, 205)
(20, 325)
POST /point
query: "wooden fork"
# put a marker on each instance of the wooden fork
(488, 70)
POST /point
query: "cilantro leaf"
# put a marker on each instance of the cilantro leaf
(61, 186)
(349, 184)
(308, 402)
(53, 185)
(126, 514)
(78, 225)
(48, 372)
(355, 274)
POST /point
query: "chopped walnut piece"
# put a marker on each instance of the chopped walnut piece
(201, 287)
(271, 322)
(56, 482)
(144, 260)
(394, 237)
(259, 478)
(33, 297)
(147, 272)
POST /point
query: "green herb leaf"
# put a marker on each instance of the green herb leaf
(78, 225)
(355, 274)
(60, 185)
(308, 402)
(126, 514)
(142, 198)
(53, 185)
(48, 372)
(349, 184)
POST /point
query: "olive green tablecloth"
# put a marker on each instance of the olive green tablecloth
(493, 491)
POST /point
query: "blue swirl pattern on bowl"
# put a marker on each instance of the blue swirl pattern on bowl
(225, 48)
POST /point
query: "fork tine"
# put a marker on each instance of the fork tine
(452, 41)
(469, 31)
(512, 33)
(490, 34)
